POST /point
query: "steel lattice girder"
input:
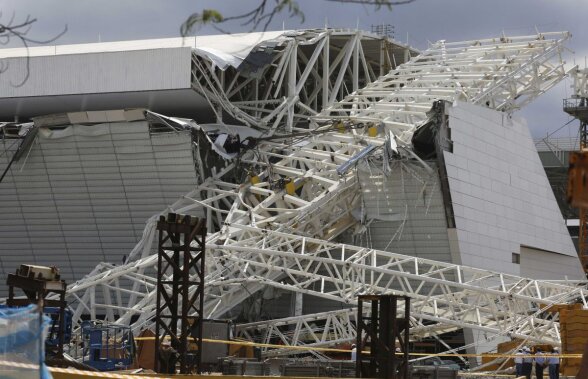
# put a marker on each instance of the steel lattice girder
(270, 235)
(454, 296)
(503, 74)
(451, 295)
(308, 70)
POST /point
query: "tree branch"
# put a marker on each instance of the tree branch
(263, 14)
(19, 31)
(377, 3)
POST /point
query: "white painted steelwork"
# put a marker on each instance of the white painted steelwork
(257, 73)
(307, 71)
(503, 73)
(278, 234)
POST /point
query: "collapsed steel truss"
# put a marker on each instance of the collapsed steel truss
(276, 228)
(501, 73)
(306, 71)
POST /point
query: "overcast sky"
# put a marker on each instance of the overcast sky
(417, 23)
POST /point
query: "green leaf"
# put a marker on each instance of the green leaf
(196, 20)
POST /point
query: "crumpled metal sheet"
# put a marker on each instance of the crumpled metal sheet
(220, 129)
(232, 50)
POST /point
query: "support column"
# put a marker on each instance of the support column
(326, 71)
(180, 293)
(298, 303)
(37, 289)
(356, 62)
(292, 84)
(380, 335)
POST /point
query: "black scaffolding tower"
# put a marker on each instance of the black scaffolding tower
(180, 293)
(38, 283)
(382, 337)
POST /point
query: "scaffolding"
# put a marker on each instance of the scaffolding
(38, 283)
(180, 292)
(384, 335)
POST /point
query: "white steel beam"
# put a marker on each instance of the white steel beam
(276, 228)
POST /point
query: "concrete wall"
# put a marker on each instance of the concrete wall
(82, 194)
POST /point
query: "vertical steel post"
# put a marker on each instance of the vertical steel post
(292, 65)
(326, 72)
(355, 78)
(36, 291)
(390, 336)
(156, 365)
(404, 344)
(180, 292)
(358, 339)
(384, 332)
(375, 338)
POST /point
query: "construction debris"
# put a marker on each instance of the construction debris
(269, 233)
(282, 192)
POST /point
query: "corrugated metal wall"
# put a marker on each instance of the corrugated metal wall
(82, 194)
(406, 207)
(404, 210)
(126, 71)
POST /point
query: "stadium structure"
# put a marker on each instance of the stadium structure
(327, 163)
(554, 153)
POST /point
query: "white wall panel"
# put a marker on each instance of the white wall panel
(501, 197)
(545, 264)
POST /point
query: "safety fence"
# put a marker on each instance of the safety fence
(335, 350)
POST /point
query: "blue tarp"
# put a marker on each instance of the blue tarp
(22, 341)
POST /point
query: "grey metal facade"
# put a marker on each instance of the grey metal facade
(82, 194)
(125, 71)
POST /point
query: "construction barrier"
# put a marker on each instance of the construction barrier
(21, 351)
(329, 349)
(22, 343)
(61, 373)
(70, 373)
